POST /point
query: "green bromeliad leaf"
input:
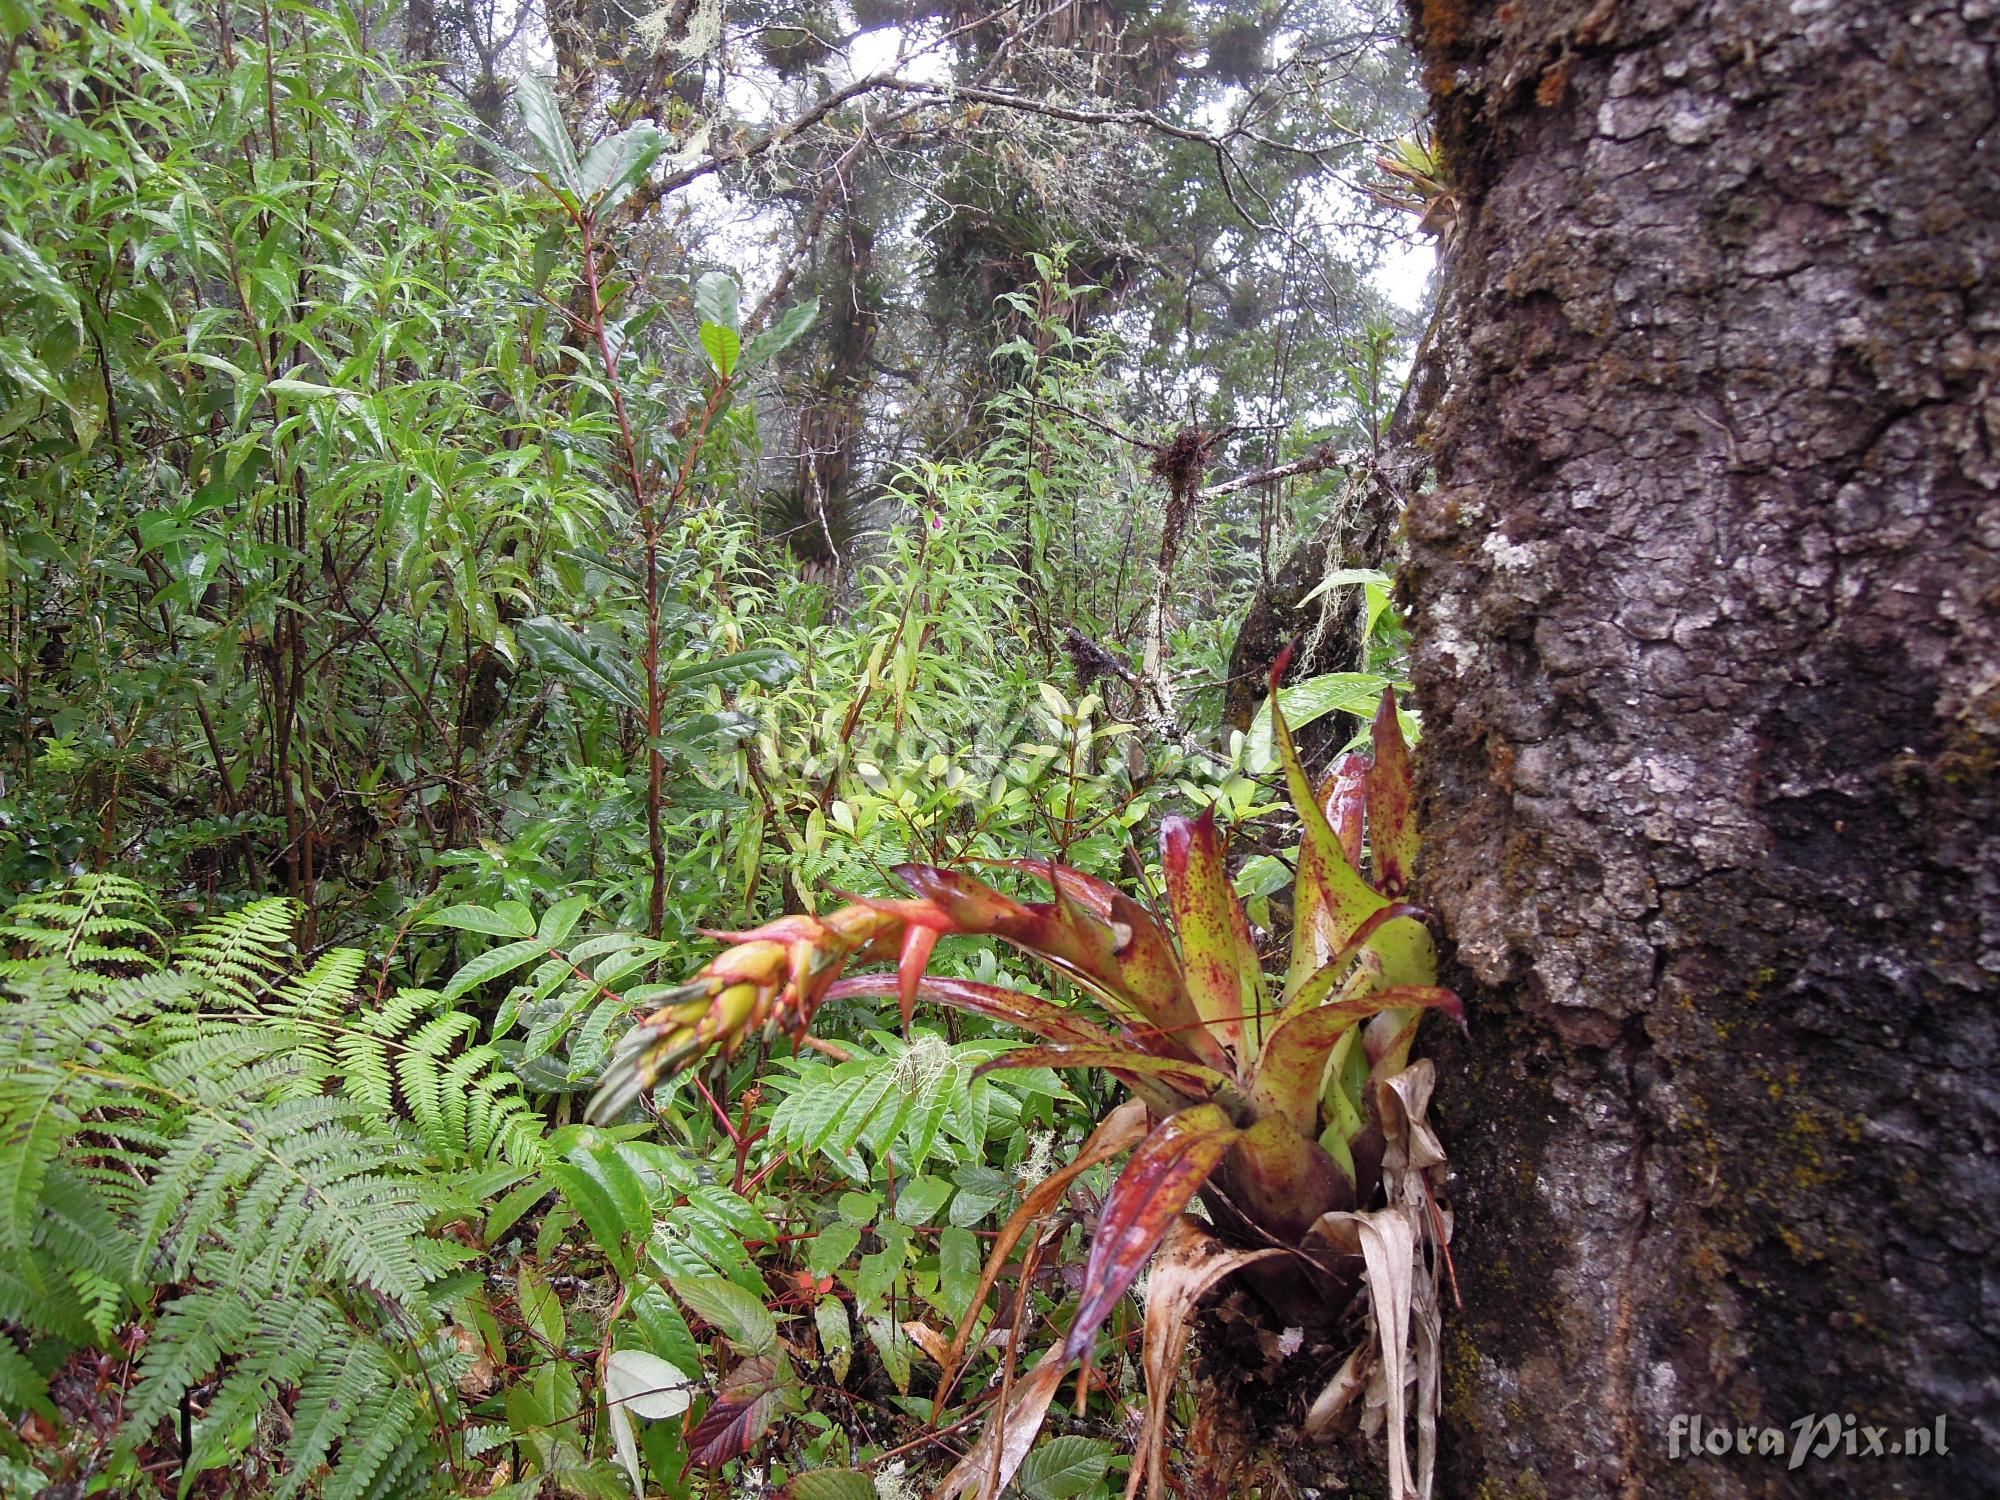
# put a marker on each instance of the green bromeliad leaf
(1295, 1054)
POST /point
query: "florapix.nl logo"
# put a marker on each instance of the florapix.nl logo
(1834, 1435)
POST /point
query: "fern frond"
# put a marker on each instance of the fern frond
(237, 956)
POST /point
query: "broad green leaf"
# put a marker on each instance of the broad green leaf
(598, 1209)
(722, 346)
(731, 1310)
(560, 920)
(1064, 1467)
(781, 335)
(958, 1271)
(658, 1323)
(830, 1249)
(617, 164)
(582, 661)
(715, 300)
(541, 116)
(921, 1198)
(479, 919)
(771, 666)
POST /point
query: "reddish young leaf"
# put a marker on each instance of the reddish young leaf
(1392, 816)
(1087, 890)
(750, 1398)
(1223, 978)
(1295, 1053)
(911, 963)
(1166, 1170)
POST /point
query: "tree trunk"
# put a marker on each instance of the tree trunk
(1707, 617)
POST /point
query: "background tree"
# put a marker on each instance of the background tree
(1707, 647)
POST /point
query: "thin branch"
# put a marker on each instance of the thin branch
(1325, 458)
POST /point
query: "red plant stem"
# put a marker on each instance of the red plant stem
(721, 1114)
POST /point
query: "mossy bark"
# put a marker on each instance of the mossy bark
(1706, 604)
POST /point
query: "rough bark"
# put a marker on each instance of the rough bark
(1707, 616)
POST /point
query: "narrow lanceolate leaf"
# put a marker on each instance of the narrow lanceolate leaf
(1331, 900)
(1344, 796)
(1223, 977)
(1296, 1052)
(1166, 1170)
(1392, 816)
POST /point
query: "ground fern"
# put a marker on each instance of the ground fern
(208, 1137)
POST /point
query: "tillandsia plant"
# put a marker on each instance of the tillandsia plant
(1289, 1107)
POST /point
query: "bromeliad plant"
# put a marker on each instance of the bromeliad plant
(1289, 1107)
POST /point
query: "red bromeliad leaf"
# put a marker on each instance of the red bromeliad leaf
(750, 1398)
(1220, 961)
(911, 963)
(1295, 1054)
(1121, 1130)
(1344, 796)
(1122, 955)
(1166, 1170)
(1088, 891)
(1392, 818)
(1191, 1079)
